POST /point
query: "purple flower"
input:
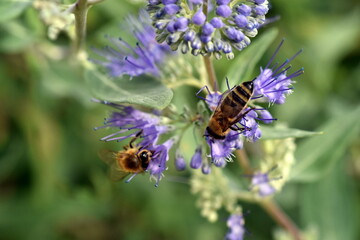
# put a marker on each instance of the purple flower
(144, 58)
(205, 168)
(207, 29)
(196, 2)
(216, 22)
(221, 150)
(196, 159)
(241, 20)
(222, 2)
(130, 123)
(243, 9)
(236, 227)
(158, 165)
(261, 10)
(199, 17)
(228, 22)
(223, 11)
(273, 84)
(262, 182)
(181, 24)
(180, 163)
(171, 9)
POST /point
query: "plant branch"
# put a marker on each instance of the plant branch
(269, 206)
(243, 160)
(281, 218)
(80, 10)
(211, 73)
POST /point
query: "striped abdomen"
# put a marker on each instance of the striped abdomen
(229, 111)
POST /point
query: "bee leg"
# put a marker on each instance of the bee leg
(201, 89)
(227, 82)
(240, 116)
(241, 129)
(134, 138)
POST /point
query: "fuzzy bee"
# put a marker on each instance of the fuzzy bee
(132, 160)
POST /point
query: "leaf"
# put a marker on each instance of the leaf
(331, 205)
(15, 36)
(10, 9)
(143, 90)
(244, 64)
(281, 132)
(318, 155)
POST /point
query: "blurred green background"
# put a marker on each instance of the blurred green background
(53, 185)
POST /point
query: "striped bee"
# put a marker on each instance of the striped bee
(230, 110)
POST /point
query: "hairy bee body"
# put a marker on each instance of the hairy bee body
(230, 110)
(132, 159)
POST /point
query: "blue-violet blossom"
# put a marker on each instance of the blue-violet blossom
(130, 122)
(144, 58)
(272, 85)
(188, 25)
(261, 181)
(236, 227)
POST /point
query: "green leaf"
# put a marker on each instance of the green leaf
(318, 155)
(143, 90)
(10, 9)
(282, 132)
(331, 205)
(243, 65)
(15, 36)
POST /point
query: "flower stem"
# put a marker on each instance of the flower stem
(241, 156)
(80, 10)
(281, 218)
(269, 206)
(211, 73)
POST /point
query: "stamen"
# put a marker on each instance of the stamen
(136, 65)
(281, 90)
(145, 55)
(274, 54)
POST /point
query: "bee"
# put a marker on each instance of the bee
(230, 110)
(132, 160)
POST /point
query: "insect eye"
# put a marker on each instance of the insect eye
(144, 156)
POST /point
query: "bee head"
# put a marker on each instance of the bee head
(144, 155)
(249, 85)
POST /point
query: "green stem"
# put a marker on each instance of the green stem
(268, 205)
(190, 81)
(281, 218)
(243, 160)
(211, 73)
(80, 10)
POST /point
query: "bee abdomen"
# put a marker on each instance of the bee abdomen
(238, 98)
(242, 90)
(213, 134)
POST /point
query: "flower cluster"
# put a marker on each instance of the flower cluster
(272, 85)
(261, 182)
(144, 58)
(131, 121)
(236, 227)
(204, 28)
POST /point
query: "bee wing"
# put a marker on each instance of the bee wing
(108, 156)
(116, 174)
